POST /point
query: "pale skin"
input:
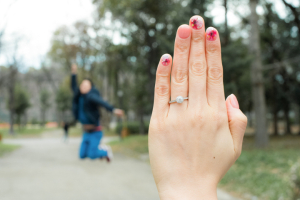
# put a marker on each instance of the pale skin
(85, 86)
(193, 144)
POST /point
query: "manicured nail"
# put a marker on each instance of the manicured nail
(211, 34)
(196, 22)
(165, 60)
(184, 31)
(234, 102)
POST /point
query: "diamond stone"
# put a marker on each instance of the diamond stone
(179, 99)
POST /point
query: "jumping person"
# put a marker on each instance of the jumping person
(86, 103)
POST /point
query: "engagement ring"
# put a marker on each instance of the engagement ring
(179, 99)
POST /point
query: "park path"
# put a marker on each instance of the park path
(48, 169)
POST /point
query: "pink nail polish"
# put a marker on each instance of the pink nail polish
(234, 102)
(165, 60)
(196, 22)
(211, 34)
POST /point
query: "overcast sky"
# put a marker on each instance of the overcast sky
(34, 21)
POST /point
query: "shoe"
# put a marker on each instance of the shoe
(110, 154)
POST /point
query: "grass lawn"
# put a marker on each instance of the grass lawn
(6, 148)
(263, 173)
(77, 132)
(25, 132)
(132, 146)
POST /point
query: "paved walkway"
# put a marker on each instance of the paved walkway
(48, 169)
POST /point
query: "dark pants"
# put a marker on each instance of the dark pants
(89, 146)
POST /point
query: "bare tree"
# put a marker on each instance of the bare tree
(11, 83)
(13, 70)
(1, 38)
(258, 92)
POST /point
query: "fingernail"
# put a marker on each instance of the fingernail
(211, 34)
(184, 31)
(165, 60)
(196, 22)
(234, 102)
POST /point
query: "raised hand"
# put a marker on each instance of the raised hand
(194, 143)
(74, 68)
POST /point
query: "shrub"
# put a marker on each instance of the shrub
(133, 127)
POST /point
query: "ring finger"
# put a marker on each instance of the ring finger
(180, 70)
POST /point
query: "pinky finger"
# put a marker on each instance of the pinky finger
(162, 86)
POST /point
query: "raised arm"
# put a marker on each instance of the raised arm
(74, 77)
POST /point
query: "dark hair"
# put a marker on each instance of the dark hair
(88, 79)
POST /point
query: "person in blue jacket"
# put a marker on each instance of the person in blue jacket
(85, 106)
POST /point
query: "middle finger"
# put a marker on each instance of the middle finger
(180, 70)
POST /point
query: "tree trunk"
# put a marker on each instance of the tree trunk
(226, 37)
(275, 121)
(11, 98)
(258, 94)
(299, 120)
(142, 124)
(43, 113)
(287, 120)
(275, 107)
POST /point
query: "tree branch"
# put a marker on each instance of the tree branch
(296, 15)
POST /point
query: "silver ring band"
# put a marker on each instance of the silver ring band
(179, 99)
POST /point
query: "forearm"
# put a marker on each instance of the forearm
(100, 102)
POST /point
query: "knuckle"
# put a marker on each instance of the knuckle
(219, 117)
(181, 76)
(197, 38)
(182, 47)
(198, 68)
(213, 48)
(243, 120)
(215, 73)
(156, 125)
(162, 90)
(198, 117)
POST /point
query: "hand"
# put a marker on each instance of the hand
(118, 112)
(194, 143)
(74, 68)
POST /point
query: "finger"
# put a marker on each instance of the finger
(215, 88)
(179, 78)
(197, 63)
(237, 123)
(162, 86)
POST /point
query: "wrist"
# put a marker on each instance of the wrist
(188, 190)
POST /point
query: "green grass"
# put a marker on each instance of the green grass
(133, 146)
(6, 148)
(25, 132)
(265, 173)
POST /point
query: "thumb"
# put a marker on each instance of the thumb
(237, 123)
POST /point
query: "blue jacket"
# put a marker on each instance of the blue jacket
(92, 101)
